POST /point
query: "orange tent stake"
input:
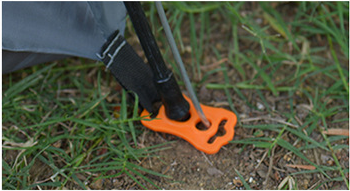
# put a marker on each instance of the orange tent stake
(200, 139)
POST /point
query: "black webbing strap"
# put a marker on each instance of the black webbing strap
(130, 70)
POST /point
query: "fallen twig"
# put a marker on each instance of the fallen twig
(271, 119)
(306, 167)
(214, 65)
(337, 132)
(206, 158)
(270, 167)
(262, 159)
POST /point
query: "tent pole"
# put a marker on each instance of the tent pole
(180, 64)
(176, 107)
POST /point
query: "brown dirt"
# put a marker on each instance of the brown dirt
(193, 169)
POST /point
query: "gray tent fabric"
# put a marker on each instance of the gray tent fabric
(12, 61)
(44, 31)
(37, 32)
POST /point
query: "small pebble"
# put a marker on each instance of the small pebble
(250, 180)
(325, 158)
(237, 182)
(260, 106)
(214, 171)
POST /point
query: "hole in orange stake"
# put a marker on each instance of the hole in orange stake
(220, 132)
(200, 126)
(211, 140)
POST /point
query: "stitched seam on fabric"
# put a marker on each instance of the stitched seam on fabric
(115, 53)
(108, 47)
(165, 79)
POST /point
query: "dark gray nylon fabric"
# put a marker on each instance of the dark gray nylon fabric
(57, 28)
(12, 61)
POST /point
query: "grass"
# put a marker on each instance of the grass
(73, 134)
(306, 66)
(61, 116)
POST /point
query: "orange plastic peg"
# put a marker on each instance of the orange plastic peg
(188, 130)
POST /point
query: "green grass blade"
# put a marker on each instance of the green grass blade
(51, 184)
(133, 166)
(134, 115)
(306, 138)
(340, 70)
(132, 177)
(246, 185)
(24, 84)
(198, 7)
(288, 146)
(262, 74)
(143, 177)
(88, 107)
